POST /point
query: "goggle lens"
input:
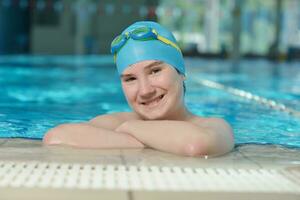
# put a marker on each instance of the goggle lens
(141, 31)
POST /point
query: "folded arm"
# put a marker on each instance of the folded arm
(214, 137)
(180, 137)
(97, 133)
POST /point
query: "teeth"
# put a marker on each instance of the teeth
(154, 101)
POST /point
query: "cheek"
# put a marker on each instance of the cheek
(169, 82)
(129, 92)
(164, 81)
(176, 87)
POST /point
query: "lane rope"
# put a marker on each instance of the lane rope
(248, 95)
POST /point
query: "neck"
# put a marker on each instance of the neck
(180, 114)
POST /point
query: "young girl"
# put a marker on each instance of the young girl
(152, 72)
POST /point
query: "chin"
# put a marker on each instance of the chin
(152, 116)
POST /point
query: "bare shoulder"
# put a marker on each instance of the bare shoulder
(113, 120)
(212, 122)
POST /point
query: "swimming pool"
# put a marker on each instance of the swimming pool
(39, 92)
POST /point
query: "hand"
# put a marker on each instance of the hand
(52, 138)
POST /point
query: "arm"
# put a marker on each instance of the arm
(180, 137)
(87, 136)
(97, 133)
(109, 121)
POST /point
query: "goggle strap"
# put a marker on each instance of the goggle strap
(169, 42)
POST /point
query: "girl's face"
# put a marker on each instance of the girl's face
(154, 90)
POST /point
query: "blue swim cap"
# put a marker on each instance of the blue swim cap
(135, 51)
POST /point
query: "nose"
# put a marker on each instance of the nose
(146, 89)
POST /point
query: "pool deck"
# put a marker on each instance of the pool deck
(242, 157)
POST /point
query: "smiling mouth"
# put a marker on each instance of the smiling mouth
(154, 101)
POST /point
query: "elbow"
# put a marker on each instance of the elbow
(195, 148)
(53, 136)
(202, 148)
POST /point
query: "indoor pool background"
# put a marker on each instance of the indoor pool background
(40, 92)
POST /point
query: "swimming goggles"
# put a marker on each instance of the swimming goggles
(143, 33)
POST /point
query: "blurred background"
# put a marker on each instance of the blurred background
(208, 28)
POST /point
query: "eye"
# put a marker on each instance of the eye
(129, 79)
(155, 70)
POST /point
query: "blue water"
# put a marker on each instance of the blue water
(40, 92)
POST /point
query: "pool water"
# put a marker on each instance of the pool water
(40, 92)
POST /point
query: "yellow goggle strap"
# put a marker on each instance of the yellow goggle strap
(167, 41)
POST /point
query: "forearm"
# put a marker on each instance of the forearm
(172, 136)
(87, 136)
